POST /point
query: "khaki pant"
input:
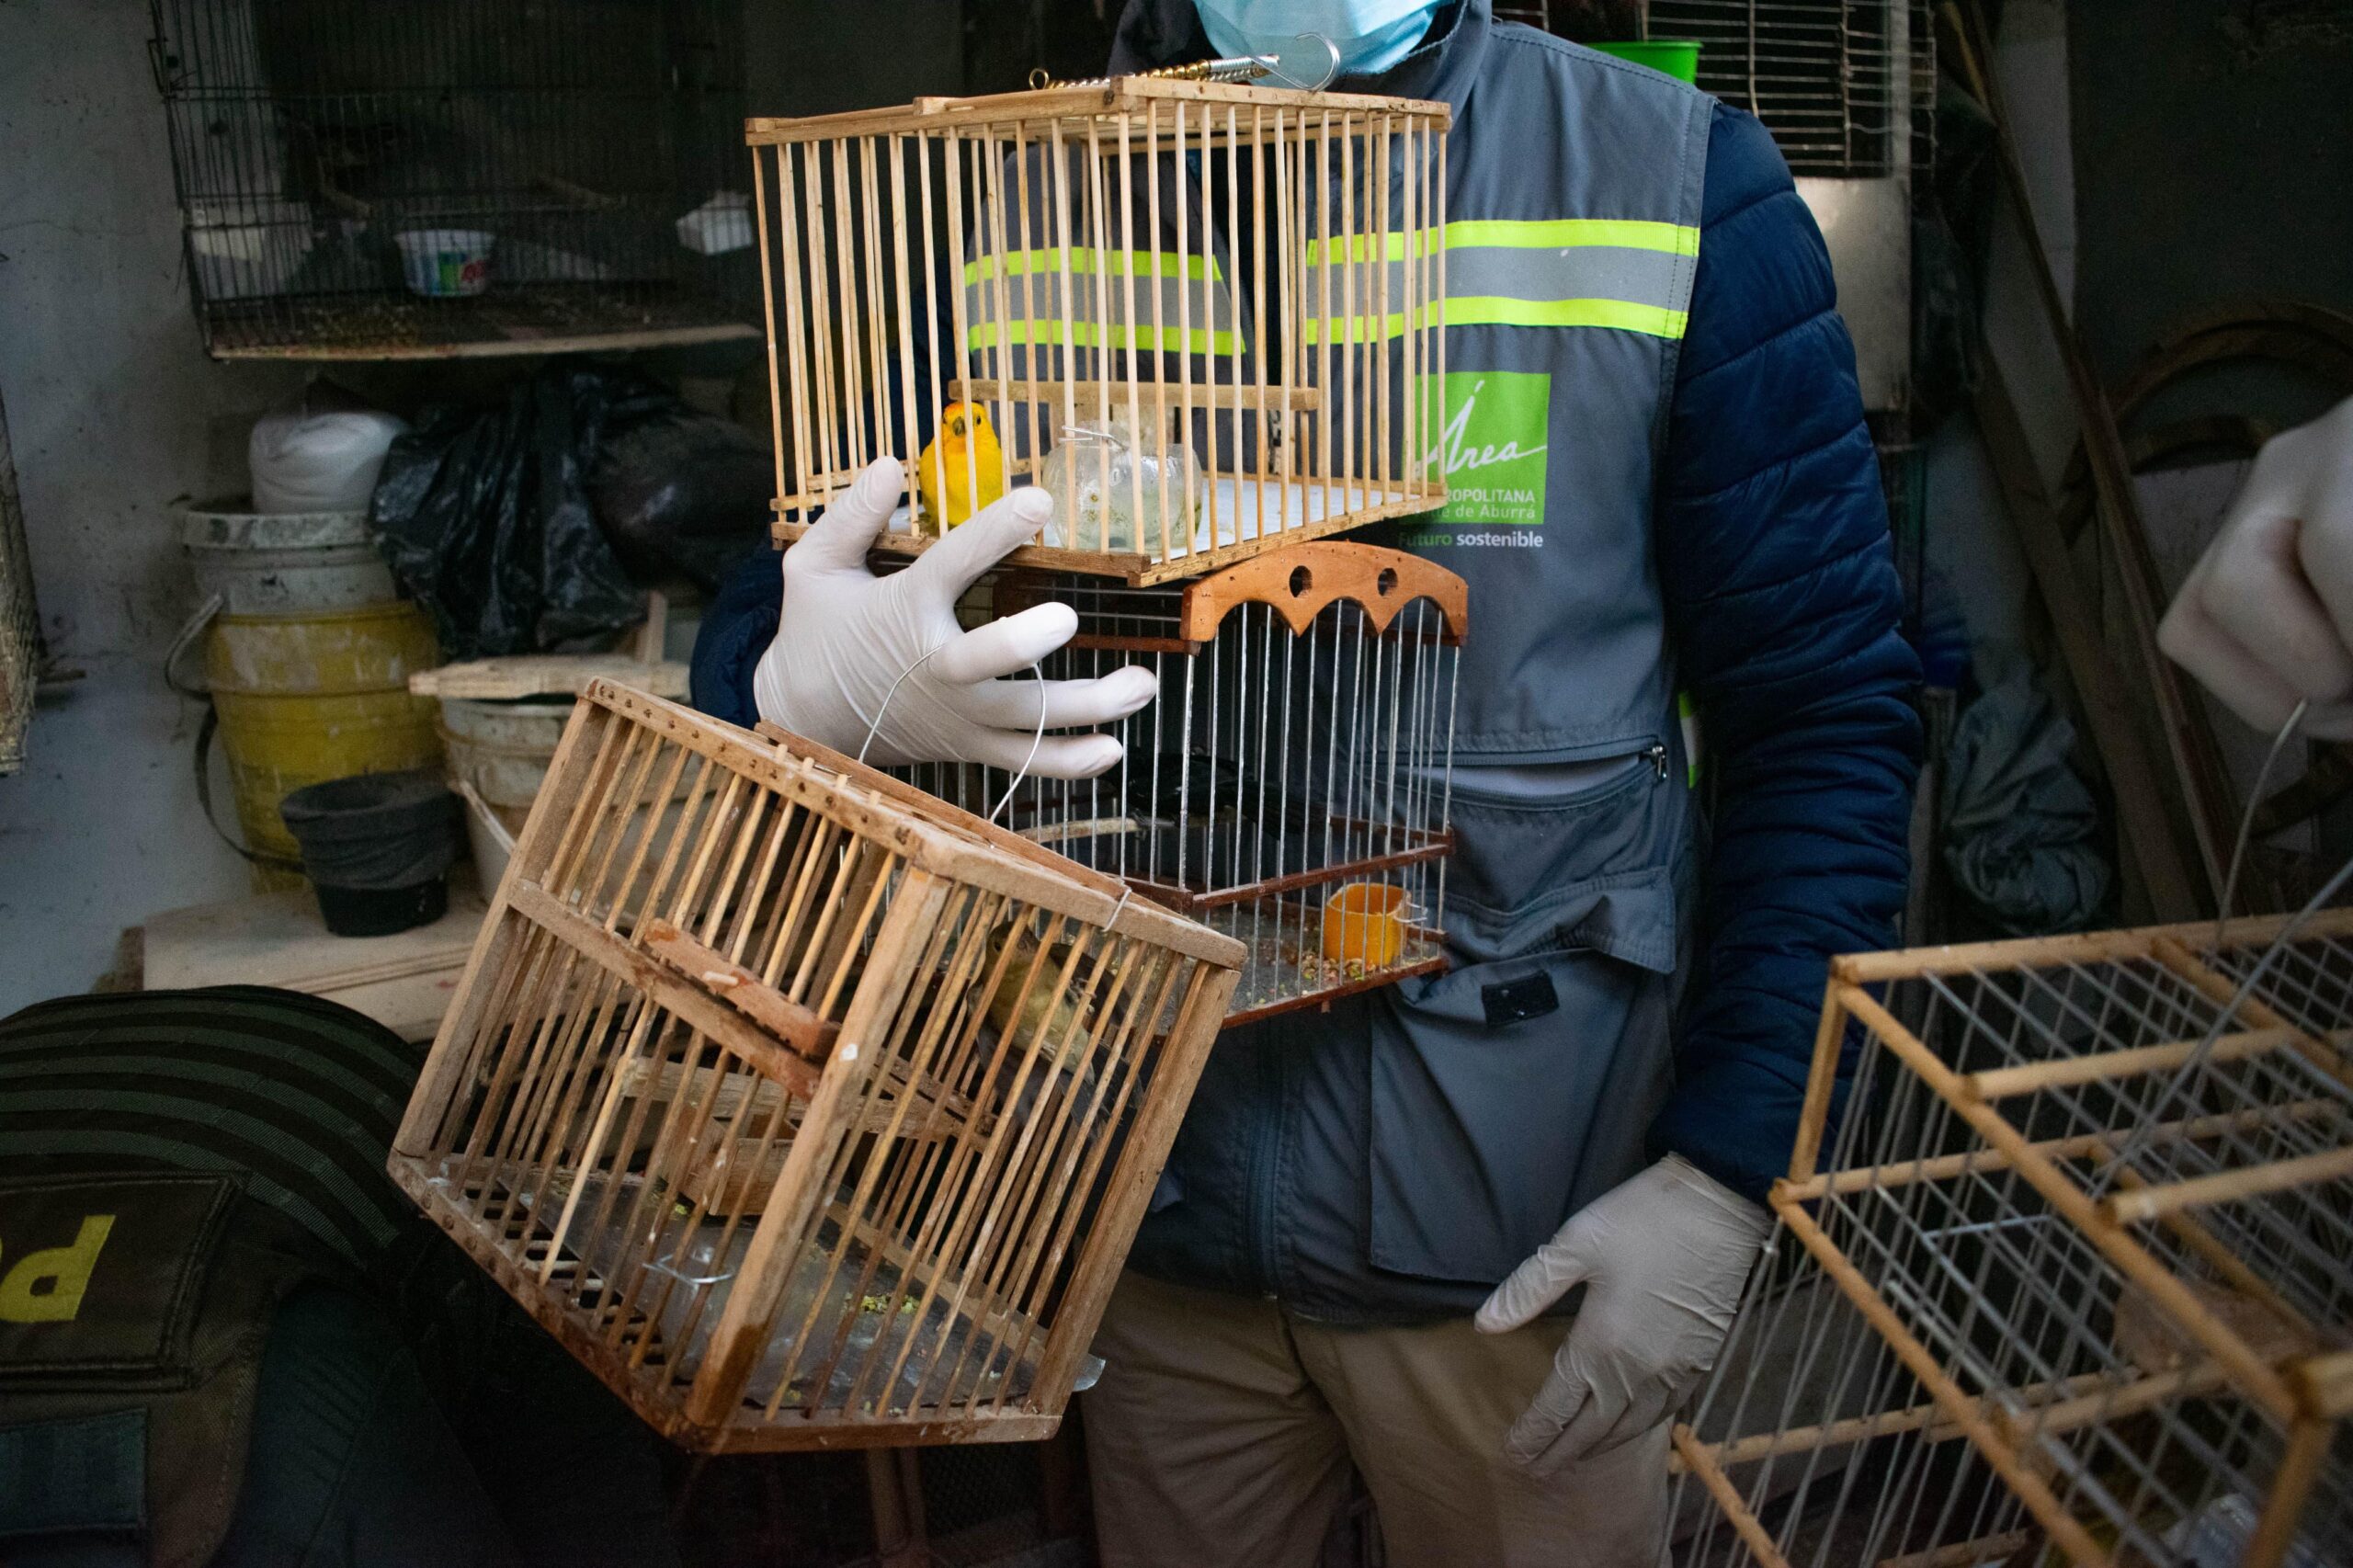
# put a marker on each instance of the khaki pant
(1224, 1428)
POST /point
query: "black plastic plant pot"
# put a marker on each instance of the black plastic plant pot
(381, 912)
(377, 847)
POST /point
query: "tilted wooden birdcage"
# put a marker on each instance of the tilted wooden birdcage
(1290, 785)
(2075, 1282)
(1206, 316)
(805, 1110)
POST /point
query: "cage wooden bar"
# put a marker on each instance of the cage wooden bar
(805, 1110)
(1220, 302)
(2072, 1282)
(1290, 786)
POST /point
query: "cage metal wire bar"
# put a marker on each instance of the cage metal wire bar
(1985, 1339)
(21, 640)
(1825, 77)
(310, 140)
(804, 1110)
(1218, 303)
(1291, 784)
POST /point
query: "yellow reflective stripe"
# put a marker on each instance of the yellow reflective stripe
(1359, 247)
(1362, 328)
(1555, 233)
(1498, 311)
(1501, 311)
(1084, 261)
(1512, 233)
(1087, 334)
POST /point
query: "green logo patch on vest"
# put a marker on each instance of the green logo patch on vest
(1491, 439)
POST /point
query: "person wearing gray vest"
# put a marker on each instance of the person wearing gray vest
(1478, 1235)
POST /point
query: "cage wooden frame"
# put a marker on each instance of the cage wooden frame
(879, 228)
(2063, 1259)
(804, 1110)
(1301, 744)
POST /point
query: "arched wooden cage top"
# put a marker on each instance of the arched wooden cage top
(1221, 303)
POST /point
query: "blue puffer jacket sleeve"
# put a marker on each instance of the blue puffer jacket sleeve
(1782, 597)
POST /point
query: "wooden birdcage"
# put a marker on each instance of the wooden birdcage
(1290, 785)
(2074, 1284)
(1222, 302)
(805, 1110)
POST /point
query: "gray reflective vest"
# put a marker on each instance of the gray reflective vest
(1396, 1156)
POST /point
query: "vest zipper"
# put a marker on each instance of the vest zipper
(1657, 754)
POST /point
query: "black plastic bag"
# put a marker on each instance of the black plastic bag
(485, 516)
(689, 496)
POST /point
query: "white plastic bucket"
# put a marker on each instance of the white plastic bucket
(284, 564)
(446, 264)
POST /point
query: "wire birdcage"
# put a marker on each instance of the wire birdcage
(1290, 785)
(1837, 82)
(457, 177)
(20, 641)
(2075, 1283)
(1227, 296)
(804, 1110)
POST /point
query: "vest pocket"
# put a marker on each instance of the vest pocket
(1517, 1086)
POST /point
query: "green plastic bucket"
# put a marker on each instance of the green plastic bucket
(1678, 58)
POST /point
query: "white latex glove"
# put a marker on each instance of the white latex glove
(2266, 617)
(1664, 1257)
(845, 636)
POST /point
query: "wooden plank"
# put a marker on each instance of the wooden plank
(1088, 400)
(494, 349)
(548, 675)
(2147, 828)
(2188, 739)
(741, 989)
(691, 1004)
(1137, 570)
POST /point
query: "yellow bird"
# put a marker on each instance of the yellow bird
(963, 468)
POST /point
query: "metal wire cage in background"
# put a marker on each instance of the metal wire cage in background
(2071, 1285)
(444, 177)
(1837, 82)
(19, 620)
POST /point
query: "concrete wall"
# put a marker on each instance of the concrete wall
(116, 413)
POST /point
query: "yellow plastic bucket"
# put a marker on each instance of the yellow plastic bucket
(312, 697)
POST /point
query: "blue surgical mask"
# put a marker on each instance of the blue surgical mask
(1370, 35)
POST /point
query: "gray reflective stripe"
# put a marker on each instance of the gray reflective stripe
(1633, 276)
(1584, 272)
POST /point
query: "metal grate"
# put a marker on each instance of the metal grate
(330, 159)
(1835, 81)
(20, 619)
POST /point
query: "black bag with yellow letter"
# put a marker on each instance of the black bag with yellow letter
(172, 1164)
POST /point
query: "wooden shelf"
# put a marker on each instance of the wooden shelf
(548, 318)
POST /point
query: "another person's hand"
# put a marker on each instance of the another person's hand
(847, 638)
(2266, 617)
(1664, 1257)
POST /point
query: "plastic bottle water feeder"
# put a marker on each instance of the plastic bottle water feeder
(378, 847)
